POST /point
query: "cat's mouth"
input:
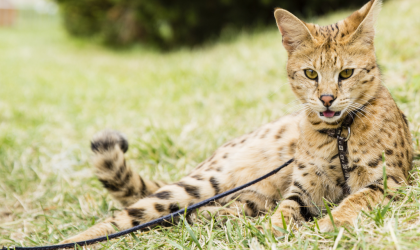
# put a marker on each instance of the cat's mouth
(330, 113)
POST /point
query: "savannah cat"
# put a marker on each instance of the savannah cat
(333, 72)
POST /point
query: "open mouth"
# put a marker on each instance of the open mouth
(329, 113)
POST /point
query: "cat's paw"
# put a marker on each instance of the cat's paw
(325, 224)
(106, 140)
(276, 223)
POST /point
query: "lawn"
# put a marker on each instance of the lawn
(175, 108)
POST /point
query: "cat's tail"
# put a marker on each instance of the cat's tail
(121, 182)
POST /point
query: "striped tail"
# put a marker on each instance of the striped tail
(110, 167)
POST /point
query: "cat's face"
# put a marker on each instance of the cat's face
(332, 69)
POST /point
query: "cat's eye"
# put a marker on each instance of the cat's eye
(346, 73)
(311, 74)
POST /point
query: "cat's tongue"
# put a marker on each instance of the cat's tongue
(328, 113)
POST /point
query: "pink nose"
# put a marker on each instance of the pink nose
(327, 100)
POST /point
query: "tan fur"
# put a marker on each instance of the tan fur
(316, 173)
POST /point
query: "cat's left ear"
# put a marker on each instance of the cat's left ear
(364, 19)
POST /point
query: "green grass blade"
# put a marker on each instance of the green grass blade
(329, 213)
(191, 233)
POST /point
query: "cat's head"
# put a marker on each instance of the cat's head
(332, 69)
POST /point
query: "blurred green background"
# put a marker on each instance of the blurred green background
(169, 24)
(176, 107)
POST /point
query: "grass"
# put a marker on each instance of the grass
(175, 108)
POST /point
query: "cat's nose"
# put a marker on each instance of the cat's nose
(327, 100)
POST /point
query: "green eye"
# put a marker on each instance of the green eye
(346, 73)
(311, 74)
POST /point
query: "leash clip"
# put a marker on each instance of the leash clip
(349, 133)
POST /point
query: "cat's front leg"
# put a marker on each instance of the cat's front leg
(364, 199)
(294, 209)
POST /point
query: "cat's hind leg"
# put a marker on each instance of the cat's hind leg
(167, 199)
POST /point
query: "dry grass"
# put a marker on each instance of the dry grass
(56, 92)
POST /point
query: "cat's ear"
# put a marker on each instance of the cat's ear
(292, 29)
(364, 19)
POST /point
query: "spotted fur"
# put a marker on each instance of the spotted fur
(379, 128)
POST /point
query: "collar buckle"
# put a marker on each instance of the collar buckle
(348, 133)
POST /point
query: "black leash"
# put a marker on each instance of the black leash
(150, 223)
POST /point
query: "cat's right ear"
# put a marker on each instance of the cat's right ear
(293, 30)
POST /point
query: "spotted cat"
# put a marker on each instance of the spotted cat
(333, 72)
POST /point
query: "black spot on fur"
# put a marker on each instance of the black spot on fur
(157, 184)
(197, 177)
(109, 164)
(304, 211)
(190, 189)
(136, 213)
(340, 182)
(199, 166)
(215, 184)
(332, 158)
(301, 166)
(400, 164)
(332, 167)
(408, 156)
(405, 119)
(164, 195)
(118, 175)
(280, 133)
(292, 146)
(352, 168)
(225, 155)
(106, 144)
(128, 177)
(254, 208)
(315, 123)
(305, 174)
(298, 185)
(173, 207)
(374, 163)
(115, 224)
(159, 207)
(143, 187)
(375, 187)
(109, 186)
(394, 179)
(135, 223)
(129, 192)
(325, 143)
(389, 151)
